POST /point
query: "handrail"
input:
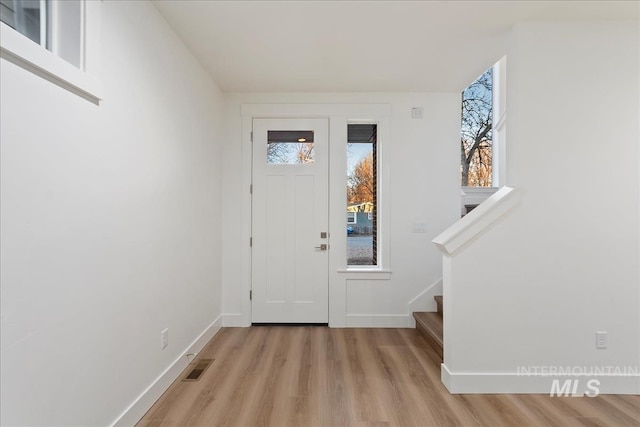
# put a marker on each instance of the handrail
(456, 237)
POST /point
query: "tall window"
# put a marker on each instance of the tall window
(476, 148)
(362, 198)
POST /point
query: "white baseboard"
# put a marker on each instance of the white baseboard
(514, 383)
(234, 320)
(238, 320)
(377, 321)
(145, 401)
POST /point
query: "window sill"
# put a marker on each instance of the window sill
(363, 273)
(18, 49)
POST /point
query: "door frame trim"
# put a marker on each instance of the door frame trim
(263, 309)
(339, 115)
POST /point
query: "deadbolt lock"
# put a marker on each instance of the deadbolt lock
(323, 234)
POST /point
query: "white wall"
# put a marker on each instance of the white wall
(422, 160)
(110, 225)
(564, 264)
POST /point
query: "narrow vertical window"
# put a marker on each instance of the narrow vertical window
(362, 197)
(476, 148)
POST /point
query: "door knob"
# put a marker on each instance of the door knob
(322, 247)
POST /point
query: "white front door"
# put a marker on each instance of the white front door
(290, 277)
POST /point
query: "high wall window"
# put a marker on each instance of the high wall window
(56, 25)
(28, 17)
(57, 40)
(476, 136)
(362, 194)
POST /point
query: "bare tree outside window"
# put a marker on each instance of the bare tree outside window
(290, 152)
(476, 132)
(304, 152)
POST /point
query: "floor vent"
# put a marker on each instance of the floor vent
(198, 370)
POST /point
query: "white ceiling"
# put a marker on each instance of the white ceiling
(335, 46)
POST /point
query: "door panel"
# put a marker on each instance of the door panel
(290, 210)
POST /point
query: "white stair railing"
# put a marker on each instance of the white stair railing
(456, 237)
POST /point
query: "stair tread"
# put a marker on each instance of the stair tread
(438, 299)
(431, 323)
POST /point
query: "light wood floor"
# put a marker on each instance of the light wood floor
(316, 376)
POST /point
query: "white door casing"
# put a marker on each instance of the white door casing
(289, 277)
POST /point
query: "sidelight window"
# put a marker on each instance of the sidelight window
(362, 194)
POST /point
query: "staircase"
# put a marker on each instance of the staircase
(429, 324)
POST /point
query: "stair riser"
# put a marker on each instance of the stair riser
(438, 299)
(435, 345)
(429, 324)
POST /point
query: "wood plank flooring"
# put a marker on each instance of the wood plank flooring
(315, 376)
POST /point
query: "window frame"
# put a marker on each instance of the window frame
(498, 121)
(20, 17)
(354, 218)
(492, 68)
(477, 195)
(339, 276)
(37, 59)
(382, 209)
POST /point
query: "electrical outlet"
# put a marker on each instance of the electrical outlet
(417, 112)
(601, 340)
(164, 335)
